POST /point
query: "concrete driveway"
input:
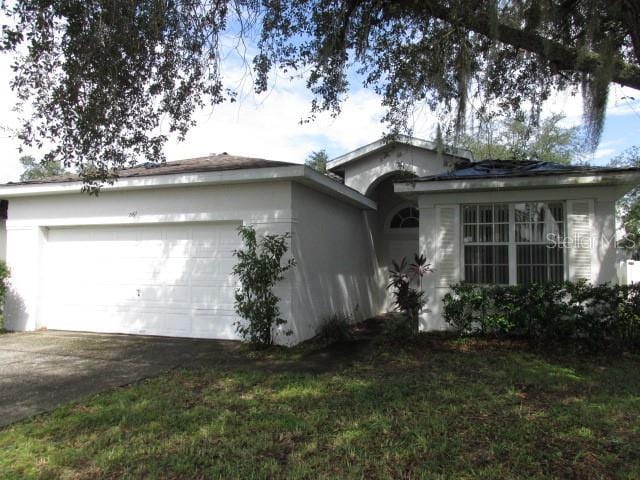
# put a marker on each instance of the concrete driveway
(41, 370)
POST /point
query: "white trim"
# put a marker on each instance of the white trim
(512, 244)
(321, 182)
(401, 231)
(547, 181)
(400, 139)
(300, 173)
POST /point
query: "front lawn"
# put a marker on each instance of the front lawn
(440, 408)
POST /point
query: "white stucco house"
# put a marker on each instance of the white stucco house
(152, 254)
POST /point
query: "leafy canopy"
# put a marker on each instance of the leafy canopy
(629, 205)
(35, 170)
(102, 77)
(516, 137)
(317, 160)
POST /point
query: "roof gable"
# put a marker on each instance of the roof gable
(385, 143)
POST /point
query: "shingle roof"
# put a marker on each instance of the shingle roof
(210, 163)
(517, 168)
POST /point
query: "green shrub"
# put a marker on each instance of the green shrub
(336, 329)
(4, 286)
(596, 316)
(259, 268)
(399, 326)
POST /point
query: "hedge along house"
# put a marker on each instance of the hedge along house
(153, 253)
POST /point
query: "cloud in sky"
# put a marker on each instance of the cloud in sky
(269, 125)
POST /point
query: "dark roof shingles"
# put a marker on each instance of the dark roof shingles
(210, 163)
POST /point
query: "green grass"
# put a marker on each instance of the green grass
(439, 408)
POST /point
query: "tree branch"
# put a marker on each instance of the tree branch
(562, 57)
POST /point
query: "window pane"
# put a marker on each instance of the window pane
(523, 254)
(502, 274)
(486, 233)
(501, 213)
(523, 275)
(411, 222)
(486, 263)
(557, 211)
(523, 232)
(470, 214)
(502, 255)
(470, 255)
(486, 213)
(470, 233)
(537, 232)
(539, 263)
(538, 254)
(538, 274)
(521, 212)
(556, 273)
(555, 255)
(406, 218)
(501, 232)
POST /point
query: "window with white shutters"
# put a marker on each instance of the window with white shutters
(513, 243)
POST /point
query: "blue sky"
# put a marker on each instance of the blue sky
(268, 125)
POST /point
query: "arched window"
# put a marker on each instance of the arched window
(406, 218)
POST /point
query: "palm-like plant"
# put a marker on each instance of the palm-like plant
(408, 299)
(419, 268)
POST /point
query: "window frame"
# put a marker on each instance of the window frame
(512, 243)
(401, 231)
(477, 224)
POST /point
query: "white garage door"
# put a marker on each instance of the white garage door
(170, 279)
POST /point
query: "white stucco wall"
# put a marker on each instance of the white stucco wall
(3, 239)
(433, 242)
(335, 272)
(267, 205)
(364, 172)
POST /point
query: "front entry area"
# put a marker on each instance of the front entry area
(395, 228)
(159, 279)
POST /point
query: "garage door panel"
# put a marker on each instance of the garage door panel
(213, 296)
(219, 323)
(172, 279)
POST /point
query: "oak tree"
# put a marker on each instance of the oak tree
(101, 78)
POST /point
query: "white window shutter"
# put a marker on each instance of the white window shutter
(580, 233)
(447, 265)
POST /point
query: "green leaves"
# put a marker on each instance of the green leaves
(34, 170)
(100, 77)
(317, 160)
(259, 269)
(105, 82)
(408, 300)
(517, 137)
(629, 205)
(597, 317)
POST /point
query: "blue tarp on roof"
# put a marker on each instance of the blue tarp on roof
(516, 168)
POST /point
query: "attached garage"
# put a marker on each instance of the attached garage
(159, 279)
(153, 253)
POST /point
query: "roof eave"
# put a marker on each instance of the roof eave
(299, 173)
(626, 178)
